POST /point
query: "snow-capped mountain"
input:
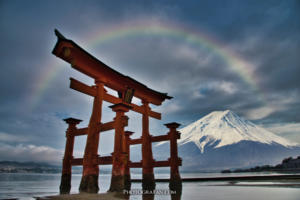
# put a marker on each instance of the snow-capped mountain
(221, 128)
(223, 140)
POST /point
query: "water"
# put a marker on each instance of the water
(27, 186)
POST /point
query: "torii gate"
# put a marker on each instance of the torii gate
(127, 88)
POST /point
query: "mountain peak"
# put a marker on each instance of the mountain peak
(221, 128)
(224, 112)
(220, 115)
(228, 113)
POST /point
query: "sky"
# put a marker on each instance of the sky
(209, 55)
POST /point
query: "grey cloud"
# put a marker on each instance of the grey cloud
(265, 34)
(30, 153)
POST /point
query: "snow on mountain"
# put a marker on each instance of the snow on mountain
(221, 128)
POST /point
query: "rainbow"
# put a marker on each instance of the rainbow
(138, 28)
(43, 82)
(237, 64)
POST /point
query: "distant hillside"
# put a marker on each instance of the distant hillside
(35, 167)
(27, 167)
(287, 165)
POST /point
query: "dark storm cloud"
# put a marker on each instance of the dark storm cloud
(263, 33)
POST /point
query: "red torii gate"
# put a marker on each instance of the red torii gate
(127, 88)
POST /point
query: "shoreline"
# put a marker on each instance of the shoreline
(235, 178)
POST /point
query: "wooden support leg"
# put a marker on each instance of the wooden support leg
(148, 181)
(89, 180)
(120, 156)
(175, 179)
(65, 184)
(127, 168)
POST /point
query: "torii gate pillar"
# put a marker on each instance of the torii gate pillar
(175, 179)
(65, 184)
(148, 181)
(120, 156)
(127, 151)
(90, 174)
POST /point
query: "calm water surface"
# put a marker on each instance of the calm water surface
(27, 186)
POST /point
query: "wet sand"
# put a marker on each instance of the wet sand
(84, 196)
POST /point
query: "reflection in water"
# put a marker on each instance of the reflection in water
(176, 196)
(25, 186)
(149, 195)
